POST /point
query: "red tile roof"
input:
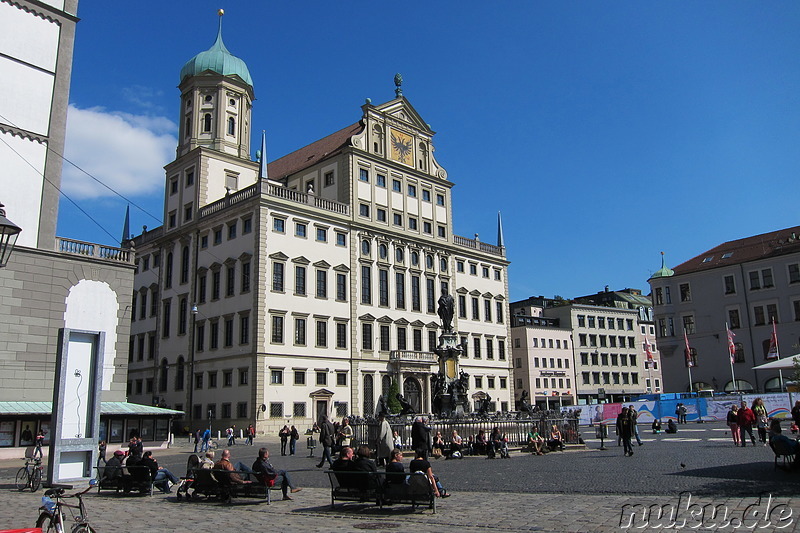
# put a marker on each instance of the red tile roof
(313, 153)
(772, 244)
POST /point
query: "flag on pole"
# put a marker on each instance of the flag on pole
(687, 352)
(773, 343)
(731, 345)
(648, 352)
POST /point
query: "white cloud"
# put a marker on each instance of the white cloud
(126, 152)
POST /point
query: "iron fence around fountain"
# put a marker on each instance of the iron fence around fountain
(516, 430)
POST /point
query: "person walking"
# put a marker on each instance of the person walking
(420, 437)
(231, 433)
(626, 423)
(635, 415)
(293, 438)
(760, 412)
(745, 419)
(251, 434)
(385, 443)
(326, 436)
(198, 437)
(206, 440)
(734, 425)
(284, 435)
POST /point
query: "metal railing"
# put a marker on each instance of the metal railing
(515, 430)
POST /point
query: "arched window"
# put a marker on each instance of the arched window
(386, 384)
(741, 386)
(413, 393)
(377, 139)
(422, 164)
(232, 126)
(383, 251)
(415, 258)
(185, 265)
(179, 372)
(443, 264)
(162, 382)
(369, 400)
(188, 127)
(207, 122)
(365, 247)
(429, 261)
(739, 357)
(773, 385)
(398, 255)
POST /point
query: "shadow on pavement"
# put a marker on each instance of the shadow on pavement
(745, 479)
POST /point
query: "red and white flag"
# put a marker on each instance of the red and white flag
(731, 344)
(648, 352)
(687, 352)
(773, 343)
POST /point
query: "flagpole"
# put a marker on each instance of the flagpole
(688, 360)
(731, 355)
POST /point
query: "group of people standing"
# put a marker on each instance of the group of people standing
(627, 429)
(742, 418)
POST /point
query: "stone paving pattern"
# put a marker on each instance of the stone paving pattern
(569, 492)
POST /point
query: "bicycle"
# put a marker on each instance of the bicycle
(51, 520)
(28, 477)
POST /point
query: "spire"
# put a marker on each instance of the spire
(663, 272)
(500, 239)
(219, 44)
(126, 227)
(262, 165)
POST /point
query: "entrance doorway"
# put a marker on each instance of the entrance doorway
(322, 409)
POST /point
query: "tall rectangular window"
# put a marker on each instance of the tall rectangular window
(489, 349)
(322, 284)
(167, 308)
(384, 337)
(476, 344)
(183, 313)
(231, 281)
(487, 310)
(277, 277)
(416, 338)
(475, 309)
(400, 288)
(215, 284)
(366, 285)
(214, 335)
(730, 285)
(462, 306)
(201, 289)
(246, 277)
(341, 287)
(415, 296)
(383, 287)
(322, 333)
(401, 338)
(430, 294)
(300, 280)
(277, 329)
(341, 335)
(229, 332)
(244, 330)
(300, 331)
(366, 336)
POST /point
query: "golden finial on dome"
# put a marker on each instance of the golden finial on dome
(221, 12)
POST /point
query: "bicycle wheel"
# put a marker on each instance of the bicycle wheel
(36, 479)
(47, 523)
(23, 478)
(83, 528)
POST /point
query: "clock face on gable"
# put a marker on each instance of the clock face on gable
(402, 147)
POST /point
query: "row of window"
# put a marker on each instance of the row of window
(490, 382)
(603, 359)
(220, 327)
(400, 255)
(555, 383)
(276, 377)
(762, 315)
(757, 280)
(610, 378)
(301, 283)
(299, 409)
(321, 233)
(606, 341)
(226, 411)
(397, 186)
(602, 322)
(475, 308)
(300, 326)
(411, 223)
(383, 341)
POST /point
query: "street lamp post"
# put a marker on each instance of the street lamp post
(8, 236)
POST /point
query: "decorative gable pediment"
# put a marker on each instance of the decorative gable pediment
(301, 260)
(279, 256)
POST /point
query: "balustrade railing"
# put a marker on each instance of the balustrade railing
(98, 251)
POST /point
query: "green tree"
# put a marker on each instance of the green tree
(391, 402)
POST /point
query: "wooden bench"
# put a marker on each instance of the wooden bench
(381, 488)
(217, 484)
(137, 478)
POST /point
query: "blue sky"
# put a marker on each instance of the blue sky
(605, 132)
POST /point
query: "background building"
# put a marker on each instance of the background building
(301, 288)
(745, 283)
(52, 283)
(607, 341)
